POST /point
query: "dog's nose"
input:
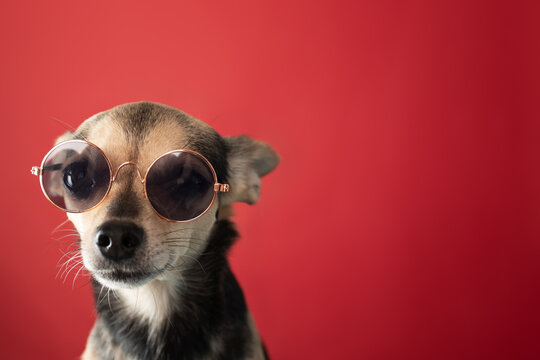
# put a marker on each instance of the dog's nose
(118, 240)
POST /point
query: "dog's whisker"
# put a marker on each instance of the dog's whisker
(99, 295)
(68, 253)
(193, 240)
(65, 125)
(178, 230)
(192, 258)
(66, 236)
(188, 243)
(72, 229)
(109, 299)
(71, 242)
(60, 225)
(75, 257)
(66, 272)
(75, 277)
(88, 282)
(115, 294)
(185, 238)
(69, 239)
(75, 244)
(64, 230)
(198, 254)
(65, 265)
(78, 263)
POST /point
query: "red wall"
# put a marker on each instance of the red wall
(404, 220)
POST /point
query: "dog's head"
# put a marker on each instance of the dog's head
(124, 242)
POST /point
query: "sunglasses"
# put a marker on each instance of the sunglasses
(76, 176)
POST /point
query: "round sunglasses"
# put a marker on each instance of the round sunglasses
(76, 176)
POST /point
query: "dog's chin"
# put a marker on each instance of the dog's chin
(121, 279)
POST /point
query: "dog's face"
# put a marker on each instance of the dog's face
(146, 246)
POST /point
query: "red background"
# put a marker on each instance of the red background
(403, 221)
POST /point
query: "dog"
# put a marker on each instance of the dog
(162, 283)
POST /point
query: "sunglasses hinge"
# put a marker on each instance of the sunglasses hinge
(36, 170)
(221, 187)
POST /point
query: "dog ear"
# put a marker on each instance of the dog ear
(68, 135)
(249, 160)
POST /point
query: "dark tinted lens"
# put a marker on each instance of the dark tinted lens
(75, 176)
(180, 186)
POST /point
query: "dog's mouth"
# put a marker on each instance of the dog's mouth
(124, 276)
(116, 278)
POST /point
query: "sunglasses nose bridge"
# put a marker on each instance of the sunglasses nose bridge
(115, 175)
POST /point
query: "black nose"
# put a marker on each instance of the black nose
(118, 240)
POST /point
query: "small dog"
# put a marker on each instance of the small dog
(149, 190)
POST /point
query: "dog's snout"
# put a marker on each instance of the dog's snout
(118, 240)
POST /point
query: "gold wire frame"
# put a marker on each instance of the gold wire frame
(218, 187)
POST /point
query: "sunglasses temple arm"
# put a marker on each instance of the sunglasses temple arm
(36, 170)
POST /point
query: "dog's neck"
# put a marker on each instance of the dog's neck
(153, 302)
(179, 313)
